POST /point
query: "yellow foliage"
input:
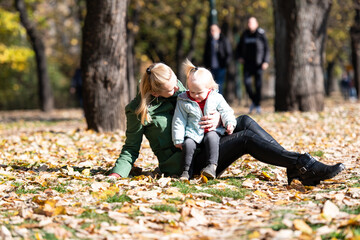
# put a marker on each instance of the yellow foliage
(9, 23)
(16, 56)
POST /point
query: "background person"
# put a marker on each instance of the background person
(217, 55)
(253, 51)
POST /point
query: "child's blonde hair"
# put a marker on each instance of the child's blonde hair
(199, 74)
(151, 82)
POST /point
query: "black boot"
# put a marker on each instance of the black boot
(310, 171)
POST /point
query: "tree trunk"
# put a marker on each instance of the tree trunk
(45, 93)
(132, 29)
(103, 65)
(355, 46)
(300, 33)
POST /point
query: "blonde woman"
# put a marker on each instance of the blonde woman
(150, 114)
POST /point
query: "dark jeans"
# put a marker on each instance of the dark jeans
(257, 73)
(211, 145)
(248, 138)
(219, 75)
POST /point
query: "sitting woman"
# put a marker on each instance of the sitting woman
(151, 114)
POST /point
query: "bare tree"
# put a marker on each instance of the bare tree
(45, 92)
(300, 33)
(104, 65)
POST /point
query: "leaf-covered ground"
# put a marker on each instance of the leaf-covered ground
(52, 184)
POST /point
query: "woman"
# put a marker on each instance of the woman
(151, 113)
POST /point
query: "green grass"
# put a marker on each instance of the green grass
(118, 198)
(164, 208)
(136, 213)
(318, 153)
(50, 236)
(211, 182)
(217, 194)
(60, 188)
(97, 217)
(334, 235)
(351, 210)
(278, 225)
(20, 189)
(176, 200)
(227, 193)
(235, 182)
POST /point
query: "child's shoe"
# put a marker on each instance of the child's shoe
(209, 171)
(184, 176)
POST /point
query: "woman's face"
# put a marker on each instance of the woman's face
(169, 88)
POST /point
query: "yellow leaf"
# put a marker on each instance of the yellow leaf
(8, 176)
(38, 236)
(204, 179)
(254, 234)
(266, 176)
(260, 194)
(302, 226)
(60, 210)
(86, 172)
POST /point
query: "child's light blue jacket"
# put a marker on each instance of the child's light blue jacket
(188, 113)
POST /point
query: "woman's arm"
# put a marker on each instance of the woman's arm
(131, 148)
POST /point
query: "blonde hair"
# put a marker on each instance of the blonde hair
(199, 74)
(151, 82)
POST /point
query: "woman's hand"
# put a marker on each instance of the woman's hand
(178, 145)
(115, 175)
(211, 121)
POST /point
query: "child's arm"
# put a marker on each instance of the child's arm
(227, 115)
(179, 123)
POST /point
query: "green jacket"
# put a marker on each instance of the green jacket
(158, 132)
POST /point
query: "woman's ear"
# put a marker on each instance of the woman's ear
(155, 94)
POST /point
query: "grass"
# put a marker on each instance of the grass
(217, 194)
(277, 223)
(20, 189)
(136, 213)
(318, 153)
(60, 188)
(164, 208)
(97, 217)
(118, 198)
(176, 200)
(351, 210)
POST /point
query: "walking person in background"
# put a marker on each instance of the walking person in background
(253, 52)
(201, 98)
(217, 55)
(76, 86)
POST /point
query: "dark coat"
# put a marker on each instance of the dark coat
(224, 52)
(253, 48)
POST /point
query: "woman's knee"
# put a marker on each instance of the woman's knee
(243, 122)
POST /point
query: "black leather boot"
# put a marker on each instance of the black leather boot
(310, 172)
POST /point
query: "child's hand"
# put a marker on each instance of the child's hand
(230, 129)
(179, 146)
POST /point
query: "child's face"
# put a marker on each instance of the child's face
(197, 91)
